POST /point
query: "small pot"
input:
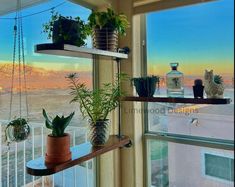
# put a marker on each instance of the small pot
(145, 87)
(58, 149)
(198, 91)
(67, 31)
(105, 39)
(99, 132)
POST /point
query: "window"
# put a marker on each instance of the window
(220, 167)
(199, 37)
(47, 88)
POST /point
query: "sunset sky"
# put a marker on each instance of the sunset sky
(198, 37)
(33, 35)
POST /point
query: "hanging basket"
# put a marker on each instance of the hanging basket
(17, 130)
(105, 39)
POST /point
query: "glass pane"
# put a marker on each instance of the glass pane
(48, 89)
(204, 39)
(179, 165)
(218, 166)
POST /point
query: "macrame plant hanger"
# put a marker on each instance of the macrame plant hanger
(20, 124)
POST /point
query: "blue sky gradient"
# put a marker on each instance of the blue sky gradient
(198, 37)
(33, 35)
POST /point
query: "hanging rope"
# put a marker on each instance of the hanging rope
(13, 68)
(19, 39)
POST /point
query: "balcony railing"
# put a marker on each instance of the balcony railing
(14, 158)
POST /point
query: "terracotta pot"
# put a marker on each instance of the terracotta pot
(58, 149)
(105, 39)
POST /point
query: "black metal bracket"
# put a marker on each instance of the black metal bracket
(129, 145)
(125, 50)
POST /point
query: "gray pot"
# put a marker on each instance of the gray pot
(99, 132)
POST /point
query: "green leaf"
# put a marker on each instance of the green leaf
(48, 121)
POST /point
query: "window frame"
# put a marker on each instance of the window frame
(203, 165)
(204, 142)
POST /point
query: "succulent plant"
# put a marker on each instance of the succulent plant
(58, 124)
(218, 79)
(198, 82)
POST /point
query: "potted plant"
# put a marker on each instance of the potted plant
(96, 105)
(58, 142)
(146, 86)
(214, 86)
(198, 88)
(106, 26)
(66, 30)
(17, 130)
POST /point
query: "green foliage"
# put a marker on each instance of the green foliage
(55, 16)
(17, 130)
(218, 79)
(98, 103)
(109, 19)
(58, 124)
(154, 78)
(18, 122)
(148, 79)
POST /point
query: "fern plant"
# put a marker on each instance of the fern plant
(98, 103)
(58, 124)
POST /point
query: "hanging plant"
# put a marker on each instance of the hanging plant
(17, 130)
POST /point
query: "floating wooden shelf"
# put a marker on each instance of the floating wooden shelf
(74, 51)
(178, 100)
(80, 153)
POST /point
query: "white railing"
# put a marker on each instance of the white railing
(14, 159)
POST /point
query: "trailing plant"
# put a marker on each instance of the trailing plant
(98, 103)
(109, 19)
(84, 29)
(17, 130)
(58, 124)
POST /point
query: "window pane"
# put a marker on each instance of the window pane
(179, 165)
(219, 166)
(201, 40)
(199, 37)
(48, 89)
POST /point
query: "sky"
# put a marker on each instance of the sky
(199, 37)
(33, 35)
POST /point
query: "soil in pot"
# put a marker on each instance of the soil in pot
(58, 149)
(105, 39)
(99, 132)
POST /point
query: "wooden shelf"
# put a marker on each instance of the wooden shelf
(178, 100)
(74, 51)
(80, 153)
